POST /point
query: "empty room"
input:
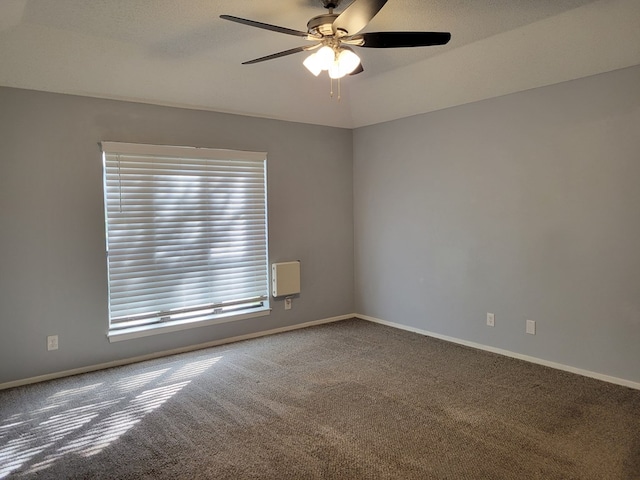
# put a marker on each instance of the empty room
(320, 239)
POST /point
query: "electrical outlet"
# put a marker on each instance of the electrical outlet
(52, 342)
(491, 319)
(531, 327)
(287, 303)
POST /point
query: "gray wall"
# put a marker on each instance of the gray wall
(52, 251)
(527, 206)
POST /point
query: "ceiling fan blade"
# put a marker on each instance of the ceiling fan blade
(265, 26)
(403, 39)
(357, 15)
(278, 55)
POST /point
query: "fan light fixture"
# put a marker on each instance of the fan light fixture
(337, 62)
(331, 32)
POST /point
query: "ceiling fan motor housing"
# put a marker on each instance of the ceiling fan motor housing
(322, 24)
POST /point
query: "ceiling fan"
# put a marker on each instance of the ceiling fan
(334, 34)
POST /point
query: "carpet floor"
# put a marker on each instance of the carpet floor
(348, 400)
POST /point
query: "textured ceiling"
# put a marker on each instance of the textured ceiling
(181, 53)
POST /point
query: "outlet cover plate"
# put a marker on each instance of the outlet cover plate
(491, 319)
(531, 327)
(52, 342)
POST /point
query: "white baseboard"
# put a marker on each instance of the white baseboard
(165, 353)
(507, 353)
(224, 341)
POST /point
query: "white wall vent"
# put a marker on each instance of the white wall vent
(285, 278)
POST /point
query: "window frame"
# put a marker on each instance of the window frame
(215, 315)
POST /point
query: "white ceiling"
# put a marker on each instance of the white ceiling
(181, 53)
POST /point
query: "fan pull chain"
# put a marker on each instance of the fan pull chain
(339, 89)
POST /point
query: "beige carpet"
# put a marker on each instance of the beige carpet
(344, 400)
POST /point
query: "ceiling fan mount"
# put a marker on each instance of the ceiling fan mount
(330, 33)
(330, 4)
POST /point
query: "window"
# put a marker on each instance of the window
(186, 236)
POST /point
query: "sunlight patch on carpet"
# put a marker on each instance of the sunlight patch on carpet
(86, 420)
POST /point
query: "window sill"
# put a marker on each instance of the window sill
(175, 326)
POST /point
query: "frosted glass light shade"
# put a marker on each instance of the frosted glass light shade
(334, 71)
(312, 64)
(338, 62)
(325, 57)
(347, 62)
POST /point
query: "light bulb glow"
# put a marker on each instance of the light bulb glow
(325, 57)
(347, 62)
(334, 71)
(312, 64)
(338, 62)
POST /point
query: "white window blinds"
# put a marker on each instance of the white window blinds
(186, 233)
